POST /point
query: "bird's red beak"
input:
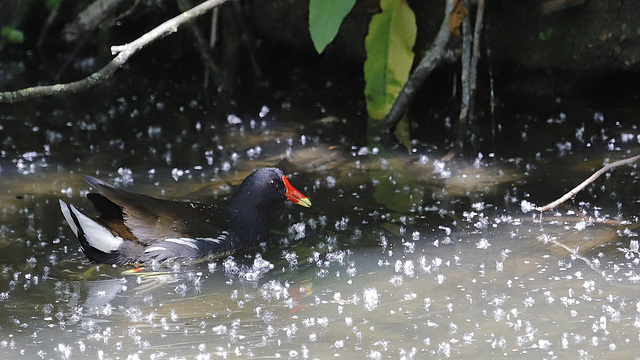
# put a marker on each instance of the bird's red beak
(294, 195)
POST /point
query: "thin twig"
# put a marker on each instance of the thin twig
(247, 38)
(124, 52)
(473, 75)
(469, 75)
(202, 46)
(589, 180)
(433, 57)
(465, 79)
(213, 38)
(574, 253)
(45, 29)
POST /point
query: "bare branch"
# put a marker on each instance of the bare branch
(589, 180)
(124, 52)
(87, 21)
(419, 75)
(476, 49)
(465, 79)
(469, 60)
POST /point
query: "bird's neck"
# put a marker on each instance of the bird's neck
(249, 223)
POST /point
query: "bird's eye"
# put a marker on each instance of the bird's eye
(273, 183)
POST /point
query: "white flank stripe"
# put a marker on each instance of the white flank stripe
(184, 241)
(97, 235)
(154, 248)
(213, 240)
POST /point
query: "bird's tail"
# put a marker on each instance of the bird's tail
(96, 241)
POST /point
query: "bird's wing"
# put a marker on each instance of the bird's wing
(149, 219)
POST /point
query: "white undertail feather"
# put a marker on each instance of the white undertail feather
(97, 235)
(67, 215)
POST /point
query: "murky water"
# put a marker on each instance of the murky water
(401, 256)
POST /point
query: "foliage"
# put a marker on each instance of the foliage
(546, 34)
(53, 4)
(325, 17)
(12, 35)
(457, 16)
(389, 46)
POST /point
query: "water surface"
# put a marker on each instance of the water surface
(401, 255)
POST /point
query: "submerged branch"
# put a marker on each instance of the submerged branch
(433, 57)
(124, 53)
(589, 180)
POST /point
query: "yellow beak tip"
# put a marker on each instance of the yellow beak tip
(304, 202)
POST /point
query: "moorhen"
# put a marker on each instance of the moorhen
(136, 228)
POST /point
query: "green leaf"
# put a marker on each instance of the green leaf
(53, 4)
(325, 17)
(546, 35)
(12, 35)
(389, 46)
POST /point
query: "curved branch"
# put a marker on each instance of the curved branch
(124, 52)
(419, 75)
(589, 180)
